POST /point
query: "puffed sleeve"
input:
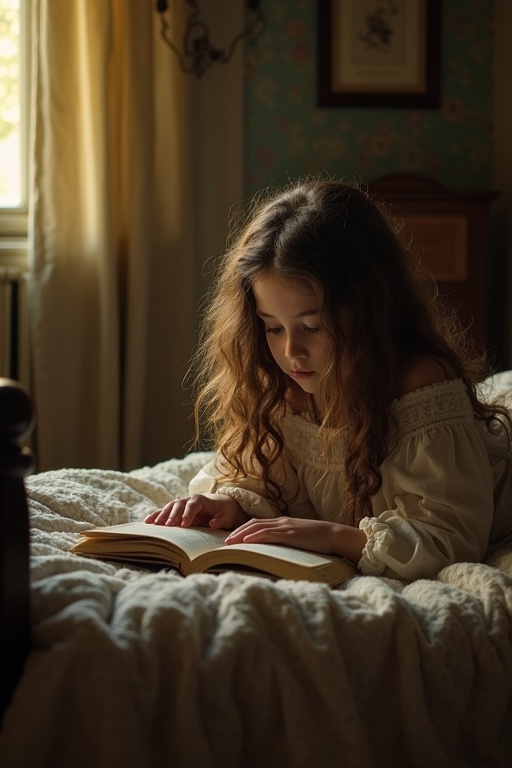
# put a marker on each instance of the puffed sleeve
(250, 492)
(435, 506)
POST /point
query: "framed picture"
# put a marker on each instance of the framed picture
(378, 53)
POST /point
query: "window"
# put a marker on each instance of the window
(14, 120)
(14, 80)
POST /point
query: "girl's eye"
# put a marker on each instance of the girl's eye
(305, 328)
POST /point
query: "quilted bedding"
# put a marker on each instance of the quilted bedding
(136, 667)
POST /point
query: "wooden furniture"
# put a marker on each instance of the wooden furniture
(451, 228)
(15, 462)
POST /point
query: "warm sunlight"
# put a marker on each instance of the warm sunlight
(11, 194)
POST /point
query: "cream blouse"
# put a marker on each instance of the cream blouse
(446, 492)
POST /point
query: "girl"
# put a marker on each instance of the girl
(345, 415)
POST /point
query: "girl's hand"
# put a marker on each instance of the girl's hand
(208, 509)
(319, 536)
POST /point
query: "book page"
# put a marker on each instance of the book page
(280, 561)
(194, 541)
(290, 554)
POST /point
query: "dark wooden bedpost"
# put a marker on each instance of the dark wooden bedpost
(15, 463)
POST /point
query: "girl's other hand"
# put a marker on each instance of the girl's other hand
(319, 536)
(207, 509)
(315, 535)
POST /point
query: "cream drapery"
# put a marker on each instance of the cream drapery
(135, 168)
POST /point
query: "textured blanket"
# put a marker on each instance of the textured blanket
(135, 668)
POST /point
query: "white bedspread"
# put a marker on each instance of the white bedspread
(139, 668)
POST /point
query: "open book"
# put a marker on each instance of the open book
(197, 550)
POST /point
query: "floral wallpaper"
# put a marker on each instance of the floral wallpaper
(288, 135)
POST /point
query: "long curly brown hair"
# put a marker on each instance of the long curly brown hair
(350, 250)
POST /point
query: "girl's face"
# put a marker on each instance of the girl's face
(290, 311)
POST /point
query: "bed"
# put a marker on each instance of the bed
(111, 665)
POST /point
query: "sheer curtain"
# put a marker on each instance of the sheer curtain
(135, 167)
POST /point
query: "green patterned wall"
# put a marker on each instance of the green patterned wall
(288, 136)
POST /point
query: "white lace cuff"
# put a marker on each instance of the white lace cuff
(379, 536)
(252, 503)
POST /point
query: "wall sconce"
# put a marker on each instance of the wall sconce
(198, 54)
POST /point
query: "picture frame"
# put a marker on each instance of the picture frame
(379, 53)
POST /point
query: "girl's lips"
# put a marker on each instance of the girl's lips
(301, 374)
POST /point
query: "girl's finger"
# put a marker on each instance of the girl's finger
(158, 517)
(175, 512)
(192, 509)
(252, 527)
(168, 515)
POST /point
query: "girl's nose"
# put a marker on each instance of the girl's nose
(293, 348)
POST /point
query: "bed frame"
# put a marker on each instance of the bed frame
(451, 229)
(16, 420)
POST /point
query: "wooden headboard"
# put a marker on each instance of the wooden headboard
(451, 228)
(16, 420)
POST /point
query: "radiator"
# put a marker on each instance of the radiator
(14, 331)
